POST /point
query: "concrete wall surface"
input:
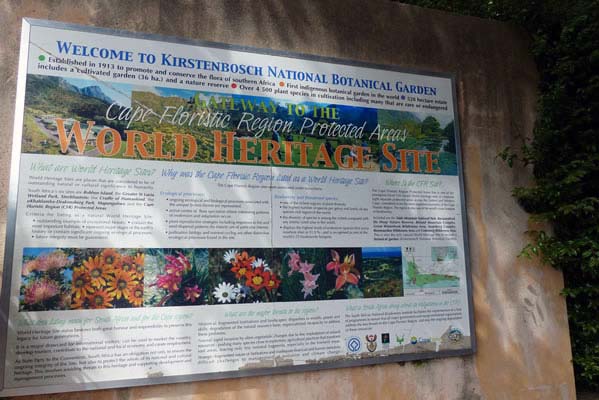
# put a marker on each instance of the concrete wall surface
(520, 317)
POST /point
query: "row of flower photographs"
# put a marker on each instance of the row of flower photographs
(105, 278)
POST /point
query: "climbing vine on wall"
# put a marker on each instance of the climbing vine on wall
(564, 153)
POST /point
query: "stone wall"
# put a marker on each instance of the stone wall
(520, 318)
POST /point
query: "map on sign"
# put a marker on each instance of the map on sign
(436, 269)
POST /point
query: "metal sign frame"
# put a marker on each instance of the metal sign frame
(5, 323)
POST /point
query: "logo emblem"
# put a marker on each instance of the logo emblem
(413, 340)
(371, 345)
(354, 344)
(455, 335)
(399, 340)
(385, 340)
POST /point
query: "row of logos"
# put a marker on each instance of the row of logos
(354, 343)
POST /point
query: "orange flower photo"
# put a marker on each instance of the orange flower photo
(107, 278)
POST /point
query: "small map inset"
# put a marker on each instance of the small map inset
(439, 271)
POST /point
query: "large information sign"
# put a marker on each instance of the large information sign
(182, 210)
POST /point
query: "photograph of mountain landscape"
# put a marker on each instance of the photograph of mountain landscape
(170, 111)
(382, 269)
(49, 97)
